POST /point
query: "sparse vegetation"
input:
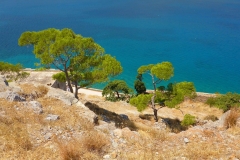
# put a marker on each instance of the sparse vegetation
(117, 90)
(211, 117)
(225, 101)
(12, 72)
(231, 119)
(188, 120)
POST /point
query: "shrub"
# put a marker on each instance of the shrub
(188, 120)
(211, 117)
(231, 119)
(141, 101)
(179, 91)
(225, 101)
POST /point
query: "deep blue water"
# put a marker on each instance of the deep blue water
(201, 38)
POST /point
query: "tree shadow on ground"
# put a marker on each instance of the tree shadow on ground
(120, 120)
(173, 124)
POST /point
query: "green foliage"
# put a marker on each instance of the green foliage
(161, 88)
(12, 72)
(139, 87)
(163, 71)
(61, 77)
(225, 102)
(188, 120)
(186, 89)
(83, 61)
(141, 101)
(179, 92)
(116, 90)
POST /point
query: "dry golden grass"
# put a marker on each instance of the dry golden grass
(39, 90)
(202, 150)
(89, 147)
(70, 117)
(231, 119)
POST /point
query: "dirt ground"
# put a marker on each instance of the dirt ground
(194, 107)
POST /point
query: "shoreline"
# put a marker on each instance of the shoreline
(94, 91)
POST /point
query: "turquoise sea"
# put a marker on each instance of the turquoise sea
(201, 38)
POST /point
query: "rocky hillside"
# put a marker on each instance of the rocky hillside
(41, 122)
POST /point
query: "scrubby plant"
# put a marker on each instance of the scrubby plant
(139, 85)
(211, 117)
(231, 119)
(12, 72)
(141, 101)
(225, 101)
(188, 120)
(179, 92)
(117, 90)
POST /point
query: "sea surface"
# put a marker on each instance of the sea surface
(201, 38)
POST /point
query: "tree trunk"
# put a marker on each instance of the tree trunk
(76, 89)
(155, 114)
(154, 84)
(68, 81)
(154, 108)
(117, 94)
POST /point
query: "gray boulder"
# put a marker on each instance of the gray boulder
(3, 84)
(221, 121)
(66, 97)
(85, 112)
(60, 85)
(35, 106)
(12, 96)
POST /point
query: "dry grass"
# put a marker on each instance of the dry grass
(90, 146)
(70, 118)
(231, 119)
(37, 91)
(211, 117)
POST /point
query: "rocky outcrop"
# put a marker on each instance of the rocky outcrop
(60, 85)
(66, 97)
(3, 84)
(52, 117)
(34, 105)
(12, 96)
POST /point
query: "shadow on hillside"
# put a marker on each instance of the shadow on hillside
(120, 120)
(173, 124)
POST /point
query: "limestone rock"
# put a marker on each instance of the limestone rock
(12, 96)
(66, 97)
(106, 156)
(221, 121)
(117, 133)
(35, 106)
(60, 85)
(186, 140)
(3, 84)
(52, 117)
(86, 112)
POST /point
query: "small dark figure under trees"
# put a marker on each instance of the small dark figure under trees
(12, 72)
(82, 61)
(116, 90)
(158, 72)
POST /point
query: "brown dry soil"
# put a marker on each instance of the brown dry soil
(195, 107)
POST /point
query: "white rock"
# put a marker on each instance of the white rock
(35, 105)
(106, 156)
(52, 117)
(66, 97)
(186, 140)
